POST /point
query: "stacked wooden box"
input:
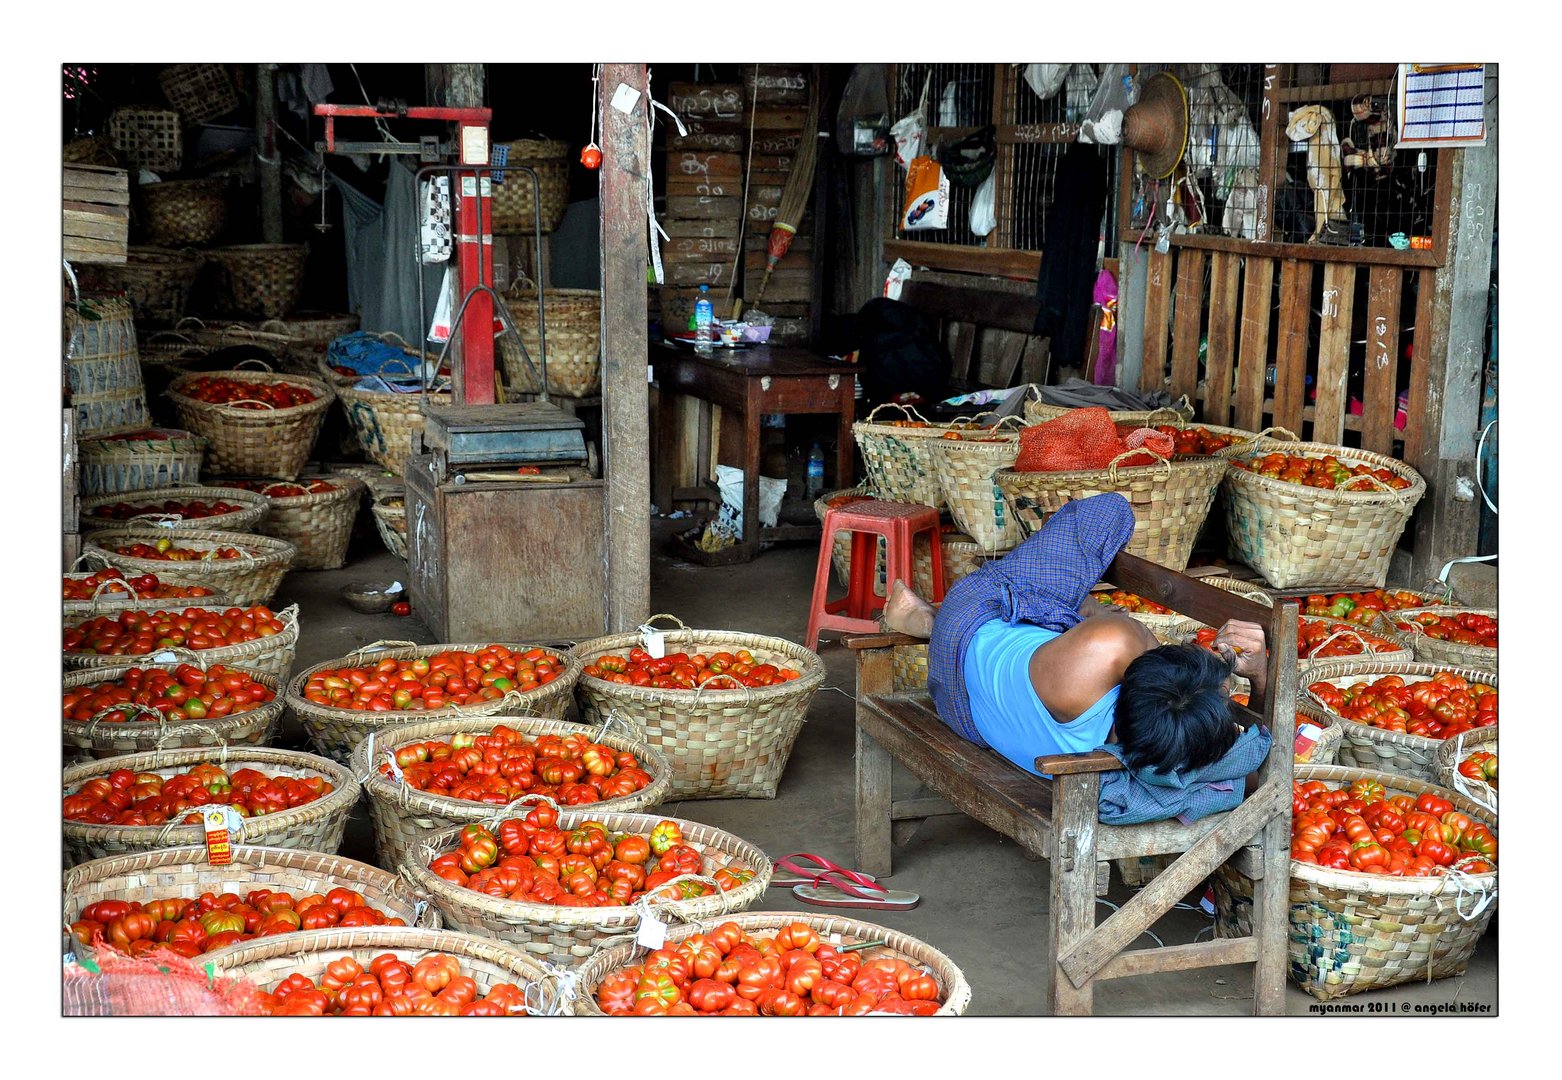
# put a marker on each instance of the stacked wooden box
(779, 98)
(96, 210)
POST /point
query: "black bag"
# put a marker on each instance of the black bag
(899, 353)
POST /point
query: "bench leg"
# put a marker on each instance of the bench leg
(1072, 911)
(1271, 920)
(873, 806)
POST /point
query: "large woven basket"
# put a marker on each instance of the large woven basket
(253, 510)
(1180, 412)
(270, 335)
(1430, 650)
(265, 962)
(310, 332)
(722, 743)
(1352, 932)
(95, 738)
(121, 465)
(272, 655)
(184, 873)
(250, 579)
(166, 354)
(386, 423)
(405, 817)
(255, 442)
(900, 459)
(965, 471)
(514, 205)
(1453, 752)
(148, 138)
(200, 92)
(258, 279)
(179, 212)
(120, 600)
(1369, 747)
(315, 826)
(337, 732)
(568, 935)
(155, 281)
(390, 520)
(103, 370)
(1170, 500)
(954, 991)
(574, 337)
(318, 525)
(1296, 535)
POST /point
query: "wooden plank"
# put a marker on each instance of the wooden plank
(1291, 350)
(781, 163)
(704, 207)
(706, 140)
(1270, 120)
(1334, 340)
(996, 262)
(703, 246)
(776, 142)
(779, 120)
(713, 166)
(1198, 954)
(1072, 904)
(1303, 252)
(911, 809)
(95, 245)
(722, 228)
(695, 185)
(1157, 320)
(1091, 761)
(983, 307)
(1005, 78)
(698, 273)
(1186, 595)
(769, 84)
(73, 204)
(1271, 891)
(1036, 361)
(716, 101)
(1185, 323)
(961, 344)
(77, 255)
(97, 229)
(1225, 269)
(1253, 361)
(874, 668)
(1380, 392)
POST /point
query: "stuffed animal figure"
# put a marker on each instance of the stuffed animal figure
(1314, 125)
(1367, 144)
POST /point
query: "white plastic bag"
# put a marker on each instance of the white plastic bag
(984, 207)
(1046, 79)
(439, 329)
(910, 131)
(771, 491)
(898, 275)
(927, 196)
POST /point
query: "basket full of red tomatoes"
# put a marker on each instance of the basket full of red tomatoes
(247, 566)
(1468, 764)
(1447, 634)
(109, 589)
(109, 711)
(256, 423)
(314, 514)
(254, 638)
(176, 509)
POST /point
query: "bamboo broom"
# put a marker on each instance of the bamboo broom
(799, 185)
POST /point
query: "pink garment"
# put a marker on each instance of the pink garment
(1106, 347)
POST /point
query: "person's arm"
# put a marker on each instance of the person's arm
(1243, 643)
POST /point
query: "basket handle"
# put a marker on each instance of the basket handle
(907, 409)
(1177, 419)
(248, 401)
(179, 651)
(1381, 486)
(493, 705)
(1462, 785)
(500, 814)
(674, 618)
(406, 364)
(615, 717)
(379, 646)
(748, 695)
(1343, 631)
(124, 582)
(250, 359)
(276, 322)
(103, 562)
(131, 707)
(1111, 468)
(213, 732)
(390, 337)
(165, 520)
(199, 325)
(1016, 417)
(657, 900)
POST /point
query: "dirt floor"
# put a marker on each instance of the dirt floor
(984, 903)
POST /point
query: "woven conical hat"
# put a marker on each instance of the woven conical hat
(1156, 127)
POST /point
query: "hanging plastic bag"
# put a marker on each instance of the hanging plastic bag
(897, 277)
(910, 131)
(927, 196)
(439, 329)
(862, 122)
(1045, 79)
(1079, 87)
(983, 207)
(969, 161)
(1103, 122)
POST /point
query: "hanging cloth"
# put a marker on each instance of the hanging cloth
(434, 219)
(1072, 233)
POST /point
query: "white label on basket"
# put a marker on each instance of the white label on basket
(835, 937)
(395, 769)
(655, 642)
(625, 98)
(395, 587)
(652, 932)
(164, 658)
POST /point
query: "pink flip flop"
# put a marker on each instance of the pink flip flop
(804, 874)
(833, 889)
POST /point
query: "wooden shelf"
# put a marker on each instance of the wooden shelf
(1370, 256)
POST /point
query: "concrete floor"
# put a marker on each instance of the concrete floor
(984, 902)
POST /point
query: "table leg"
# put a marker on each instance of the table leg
(667, 442)
(751, 445)
(845, 450)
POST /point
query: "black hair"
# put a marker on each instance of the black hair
(1172, 709)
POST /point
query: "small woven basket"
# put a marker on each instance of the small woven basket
(175, 213)
(184, 873)
(404, 817)
(574, 336)
(513, 204)
(148, 138)
(965, 469)
(1170, 500)
(954, 992)
(95, 738)
(254, 442)
(155, 281)
(1296, 535)
(1352, 932)
(315, 826)
(390, 520)
(722, 743)
(900, 459)
(103, 369)
(319, 524)
(568, 935)
(1370, 747)
(1430, 650)
(250, 579)
(387, 423)
(1451, 755)
(272, 655)
(253, 510)
(263, 280)
(117, 466)
(199, 92)
(337, 732)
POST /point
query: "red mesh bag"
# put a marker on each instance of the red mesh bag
(1079, 439)
(160, 983)
(1158, 443)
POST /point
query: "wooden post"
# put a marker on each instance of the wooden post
(268, 161)
(1271, 121)
(626, 154)
(1072, 904)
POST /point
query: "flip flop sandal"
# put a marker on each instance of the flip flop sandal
(831, 889)
(805, 874)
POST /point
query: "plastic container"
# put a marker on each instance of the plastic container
(815, 484)
(704, 321)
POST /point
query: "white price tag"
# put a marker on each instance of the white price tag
(164, 658)
(625, 98)
(835, 937)
(655, 643)
(395, 769)
(395, 586)
(652, 933)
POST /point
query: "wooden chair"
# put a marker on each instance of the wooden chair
(1057, 819)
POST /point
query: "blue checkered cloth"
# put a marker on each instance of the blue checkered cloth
(1043, 581)
(1131, 796)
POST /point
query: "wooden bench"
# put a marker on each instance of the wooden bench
(1057, 819)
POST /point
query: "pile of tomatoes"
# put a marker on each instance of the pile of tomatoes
(136, 633)
(243, 394)
(1481, 765)
(1362, 607)
(1464, 628)
(1437, 708)
(530, 858)
(1310, 634)
(955, 436)
(1195, 440)
(389, 986)
(283, 489)
(165, 549)
(1363, 828)
(1128, 601)
(186, 693)
(503, 765)
(189, 509)
(146, 587)
(191, 927)
(681, 671)
(128, 798)
(433, 682)
(789, 972)
(1321, 472)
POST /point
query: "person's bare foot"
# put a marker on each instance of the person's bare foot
(907, 613)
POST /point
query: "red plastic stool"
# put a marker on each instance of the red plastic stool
(899, 523)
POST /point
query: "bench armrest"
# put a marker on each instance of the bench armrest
(1091, 761)
(880, 641)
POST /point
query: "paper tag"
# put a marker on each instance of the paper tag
(395, 769)
(219, 848)
(625, 98)
(654, 642)
(164, 657)
(650, 373)
(835, 937)
(652, 932)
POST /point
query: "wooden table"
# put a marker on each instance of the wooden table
(750, 383)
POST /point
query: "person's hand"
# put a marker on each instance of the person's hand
(1243, 644)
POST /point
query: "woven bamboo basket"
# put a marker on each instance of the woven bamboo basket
(148, 138)
(122, 465)
(103, 370)
(410, 366)
(1181, 411)
(337, 732)
(184, 873)
(258, 279)
(722, 743)
(319, 525)
(1431, 650)
(387, 423)
(900, 459)
(514, 211)
(242, 520)
(1451, 755)
(910, 667)
(1369, 747)
(1170, 500)
(199, 92)
(170, 352)
(95, 738)
(1296, 535)
(250, 579)
(156, 281)
(965, 475)
(405, 817)
(90, 150)
(272, 655)
(390, 520)
(1352, 932)
(954, 991)
(1256, 441)
(266, 962)
(120, 599)
(1169, 629)
(175, 213)
(568, 935)
(258, 442)
(315, 826)
(269, 335)
(309, 333)
(574, 337)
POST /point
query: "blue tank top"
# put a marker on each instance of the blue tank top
(1004, 705)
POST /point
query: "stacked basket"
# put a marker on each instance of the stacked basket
(390, 521)
(899, 456)
(965, 469)
(252, 509)
(255, 442)
(515, 200)
(261, 280)
(271, 655)
(151, 730)
(156, 281)
(573, 325)
(1430, 650)
(387, 423)
(176, 213)
(319, 525)
(104, 370)
(251, 578)
(154, 458)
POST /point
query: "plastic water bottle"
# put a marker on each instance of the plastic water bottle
(815, 485)
(704, 321)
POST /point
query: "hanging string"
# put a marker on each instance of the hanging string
(379, 122)
(596, 100)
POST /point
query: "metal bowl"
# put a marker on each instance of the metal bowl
(369, 598)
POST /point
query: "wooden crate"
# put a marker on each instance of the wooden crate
(706, 101)
(95, 204)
